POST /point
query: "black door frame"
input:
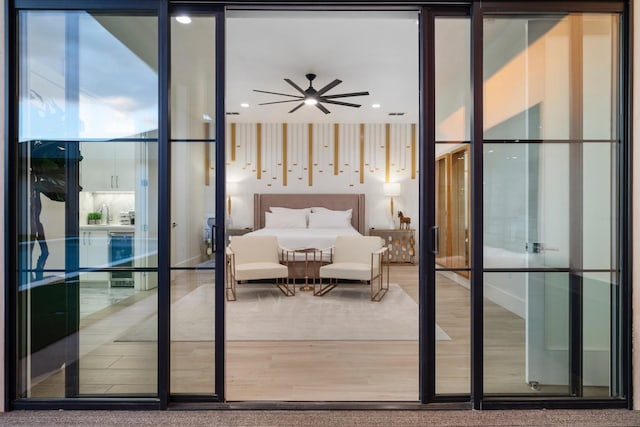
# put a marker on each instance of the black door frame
(427, 393)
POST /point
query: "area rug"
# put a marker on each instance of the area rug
(263, 313)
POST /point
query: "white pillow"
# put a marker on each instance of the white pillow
(285, 220)
(323, 209)
(278, 209)
(330, 219)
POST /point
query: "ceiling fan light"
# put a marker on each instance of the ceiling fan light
(311, 101)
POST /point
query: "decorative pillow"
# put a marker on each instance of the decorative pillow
(330, 219)
(285, 220)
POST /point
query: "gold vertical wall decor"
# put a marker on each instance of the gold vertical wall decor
(259, 150)
(387, 153)
(310, 160)
(284, 154)
(233, 142)
(361, 153)
(413, 151)
(336, 149)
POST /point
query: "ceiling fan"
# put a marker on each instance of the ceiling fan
(315, 97)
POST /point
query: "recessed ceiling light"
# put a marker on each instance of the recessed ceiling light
(244, 105)
(183, 19)
(375, 106)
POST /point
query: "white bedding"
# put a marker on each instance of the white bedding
(304, 238)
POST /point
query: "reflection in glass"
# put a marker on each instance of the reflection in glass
(526, 330)
(528, 76)
(452, 77)
(193, 193)
(87, 200)
(453, 206)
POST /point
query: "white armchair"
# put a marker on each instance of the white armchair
(254, 258)
(357, 258)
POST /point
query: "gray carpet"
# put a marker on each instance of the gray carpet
(373, 418)
(263, 313)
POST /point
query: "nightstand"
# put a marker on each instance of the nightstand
(401, 243)
(237, 232)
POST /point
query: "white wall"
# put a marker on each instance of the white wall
(243, 170)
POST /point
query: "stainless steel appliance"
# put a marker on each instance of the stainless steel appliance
(121, 256)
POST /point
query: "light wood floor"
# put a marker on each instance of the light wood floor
(301, 370)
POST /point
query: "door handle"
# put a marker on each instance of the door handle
(435, 239)
(111, 181)
(117, 183)
(174, 224)
(213, 238)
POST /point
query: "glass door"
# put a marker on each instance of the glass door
(87, 226)
(551, 205)
(194, 218)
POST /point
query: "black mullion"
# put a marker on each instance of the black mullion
(11, 198)
(554, 6)
(220, 301)
(164, 206)
(72, 206)
(427, 282)
(108, 5)
(477, 309)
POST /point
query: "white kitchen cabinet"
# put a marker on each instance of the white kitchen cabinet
(94, 253)
(107, 166)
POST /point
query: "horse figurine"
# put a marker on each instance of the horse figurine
(405, 221)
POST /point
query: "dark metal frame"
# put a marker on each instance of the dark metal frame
(427, 374)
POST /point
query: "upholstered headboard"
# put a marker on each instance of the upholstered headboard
(339, 202)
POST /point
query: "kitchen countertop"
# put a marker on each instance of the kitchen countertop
(107, 227)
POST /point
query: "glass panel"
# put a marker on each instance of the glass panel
(600, 207)
(453, 120)
(193, 95)
(600, 64)
(526, 332)
(551, 203)
(452, 79)
(528, 76)
(88, 199)
(453, 337)
(526, 205)
(599, 293)
(193, 193)
(453, 205)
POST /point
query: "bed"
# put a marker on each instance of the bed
(318, 233)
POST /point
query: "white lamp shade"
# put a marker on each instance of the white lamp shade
(391, 189)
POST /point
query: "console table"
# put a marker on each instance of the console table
(401, 243)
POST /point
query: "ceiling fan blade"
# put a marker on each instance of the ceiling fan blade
(278, 93)
(296, 107)
(330, 86)
(298, 88)
(280, 102)
(346, 104)
(322, 108)
(344, 95)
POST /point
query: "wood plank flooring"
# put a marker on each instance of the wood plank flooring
(307, 370)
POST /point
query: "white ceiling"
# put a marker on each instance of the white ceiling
(369, 51)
